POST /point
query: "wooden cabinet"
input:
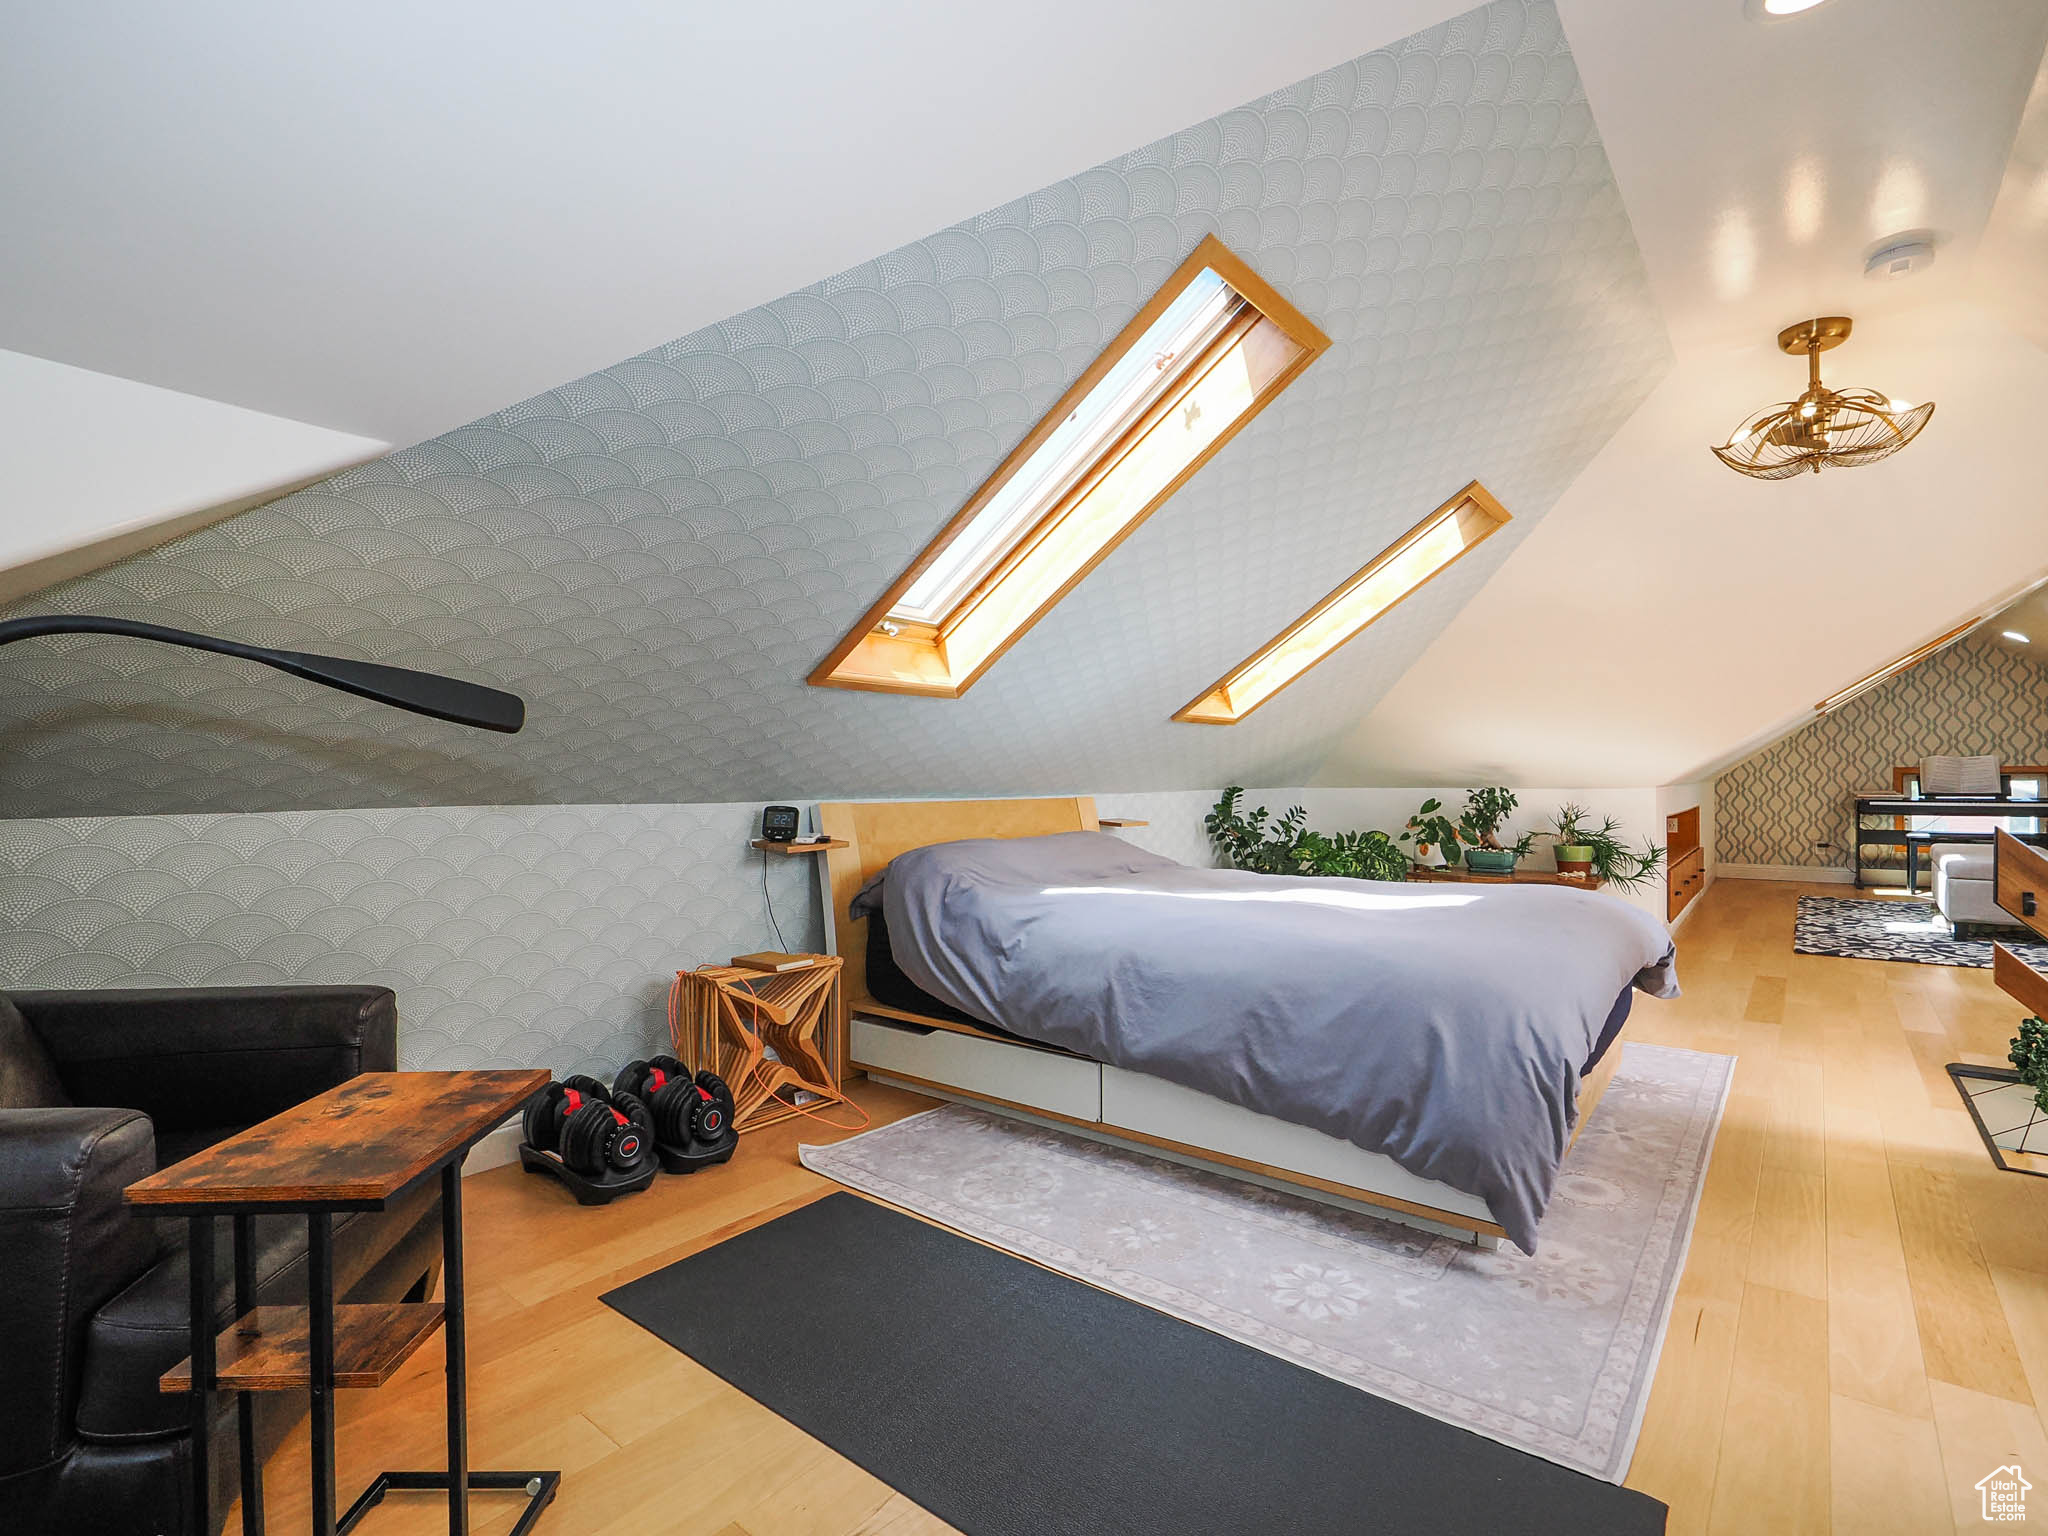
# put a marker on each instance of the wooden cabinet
(1685, 861)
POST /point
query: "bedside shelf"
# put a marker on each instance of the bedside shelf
(787, 849)
(267, 1351)
(1120, 821)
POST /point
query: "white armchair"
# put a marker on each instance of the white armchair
(1962, 887)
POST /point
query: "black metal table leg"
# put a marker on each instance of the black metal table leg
(458, 1481)
(320, 1348)
(245, 1405)
(199, 1253)
(458, 1353)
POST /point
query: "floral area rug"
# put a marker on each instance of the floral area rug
(1551, 1353)
(1896, 930)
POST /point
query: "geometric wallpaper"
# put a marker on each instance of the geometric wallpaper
(656, 555)
(514, 936)
(1975, 697)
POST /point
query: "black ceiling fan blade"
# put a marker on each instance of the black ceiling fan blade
(424, 693)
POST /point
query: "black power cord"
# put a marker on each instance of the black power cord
(768, 902)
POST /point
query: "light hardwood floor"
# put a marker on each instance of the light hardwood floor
(1860, 1335)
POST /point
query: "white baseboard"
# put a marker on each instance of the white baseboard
(1818, 874)
(494, 1151)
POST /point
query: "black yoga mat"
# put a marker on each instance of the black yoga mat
(1012, 1401)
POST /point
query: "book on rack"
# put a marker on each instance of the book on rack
(773, 960)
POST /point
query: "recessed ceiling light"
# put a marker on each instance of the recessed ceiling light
(1778, 10)
(2013, 634)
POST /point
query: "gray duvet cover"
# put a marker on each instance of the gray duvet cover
(1444, 1025)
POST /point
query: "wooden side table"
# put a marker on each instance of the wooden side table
(354, 1148)
(727, 1018)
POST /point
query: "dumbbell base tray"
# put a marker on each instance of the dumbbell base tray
(686, 1160)
(588, 1191)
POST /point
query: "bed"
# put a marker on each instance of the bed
(1427, 1052)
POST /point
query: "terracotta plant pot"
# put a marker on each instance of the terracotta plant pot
(1574, 859)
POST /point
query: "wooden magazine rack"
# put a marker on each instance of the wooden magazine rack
(728, 1019)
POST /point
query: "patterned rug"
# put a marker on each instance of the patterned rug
(1911, 931)
(1552, 1354)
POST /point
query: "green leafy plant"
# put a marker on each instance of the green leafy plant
(1614, 862)
(2029, 1056)
(1431, 827)
(1478, 825)
(1486, 812)
(1254, 840)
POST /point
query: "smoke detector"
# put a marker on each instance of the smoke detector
(1900, 255)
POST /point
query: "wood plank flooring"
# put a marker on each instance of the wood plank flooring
(1860, 1335)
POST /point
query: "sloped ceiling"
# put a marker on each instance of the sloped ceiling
(231, 224)
(1671, 615)
(99, 467)
(390, 218)
(657, 554)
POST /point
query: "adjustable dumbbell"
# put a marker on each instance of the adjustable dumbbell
(688, 1112)
(580, 1121)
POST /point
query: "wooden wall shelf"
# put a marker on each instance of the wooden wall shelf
(1432, 873)
(787, 849)
(1120, 821)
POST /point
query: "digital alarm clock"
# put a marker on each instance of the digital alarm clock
(778, 824)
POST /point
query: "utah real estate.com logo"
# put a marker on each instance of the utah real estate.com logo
(2005, 1494)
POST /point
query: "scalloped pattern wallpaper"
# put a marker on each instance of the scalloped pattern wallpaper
(656, 555)
(514, 936)
(1974, 697)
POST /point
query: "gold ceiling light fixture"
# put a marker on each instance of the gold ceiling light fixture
(1823, 427)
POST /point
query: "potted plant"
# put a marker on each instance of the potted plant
(2029, 1057)
(1477, 829)
(1486, 812)
(1431, 827)
(1250, 840)
(1584, 849)
(1574, 852)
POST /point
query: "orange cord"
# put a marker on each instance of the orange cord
(834, 1097)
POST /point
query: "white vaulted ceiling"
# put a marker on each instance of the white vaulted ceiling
(383, 221)
(1670, 613)
(391, 218)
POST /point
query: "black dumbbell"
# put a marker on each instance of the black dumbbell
(601, 1137)
(714, 1085)
(687, 1111)
(541, 1121)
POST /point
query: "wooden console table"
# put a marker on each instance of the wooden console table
(354, 1148)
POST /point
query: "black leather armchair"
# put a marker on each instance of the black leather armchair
(94, 1304)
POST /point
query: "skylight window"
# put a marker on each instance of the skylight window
(1214, 346)
(1429, 547)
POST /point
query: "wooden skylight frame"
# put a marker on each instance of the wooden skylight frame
(1425, 551)
(1258, 350)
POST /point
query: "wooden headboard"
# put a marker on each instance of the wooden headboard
(875, 831)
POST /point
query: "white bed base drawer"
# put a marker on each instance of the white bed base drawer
(1154, 1107)
(1061, 1085)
